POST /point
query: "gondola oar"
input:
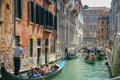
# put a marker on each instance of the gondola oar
(34, 70)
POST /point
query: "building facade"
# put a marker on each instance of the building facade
(79, 23)
(90, 18)
(67, 15)
(6, 32)
(103, 27)
(35, 28)
(113, 57)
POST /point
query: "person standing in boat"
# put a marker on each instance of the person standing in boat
(17, 62)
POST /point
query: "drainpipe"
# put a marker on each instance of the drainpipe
(13, 8)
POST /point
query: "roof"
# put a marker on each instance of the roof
(98, 8)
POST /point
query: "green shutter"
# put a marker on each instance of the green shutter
(49, 18)
(19, 3)
(46, 17)
(55, 22)
(32, 11)
(42, 16)
(37, 14)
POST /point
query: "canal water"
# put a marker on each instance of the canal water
(76, 69)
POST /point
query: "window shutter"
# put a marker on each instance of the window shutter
(55, 22)
(46, 17)
(32, 11)
(42, 16)
(37, 14)
(19, 9)
(51, 19)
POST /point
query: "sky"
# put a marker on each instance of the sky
(97, 3)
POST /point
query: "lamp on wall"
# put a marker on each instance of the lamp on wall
(34, 38)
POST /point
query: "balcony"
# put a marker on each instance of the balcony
(48, 28)
(65, 1)
(72, 6)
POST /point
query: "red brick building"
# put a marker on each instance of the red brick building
(6, 32)
(35, 28)
(103, 27)
(90, 18)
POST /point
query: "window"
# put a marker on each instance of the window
(94, 26)
(95, 18)
(50, 19)
(31, 47)
(84, 18)
(94, 12)
(107, 29)
(46, 42)
(107, 37)
(55, 22)
(107, 22)
(102, 29)
(39, 42)
(90, 12)
(90, 18)
(1, 8)
(17, 39)
(7, 6)
(102, 22)
(31, 11)
(38, 49)
(102, 37)
(18, 8)
(90, 26)
(37, 14)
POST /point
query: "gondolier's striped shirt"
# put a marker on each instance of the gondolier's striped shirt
(17, 51)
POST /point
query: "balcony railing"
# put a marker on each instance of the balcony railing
(65, 1)
(48, 28)
(72, 6)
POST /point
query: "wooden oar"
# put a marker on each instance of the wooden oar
(34, 70)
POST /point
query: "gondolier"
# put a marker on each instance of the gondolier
(17, 53)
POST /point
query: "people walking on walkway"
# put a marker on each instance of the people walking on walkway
(17, 62)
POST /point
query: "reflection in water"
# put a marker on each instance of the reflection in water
(76, 69)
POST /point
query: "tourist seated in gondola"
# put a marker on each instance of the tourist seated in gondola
(91, 57)
(47, 69)
(86, 57)
(54, 67)
(38, 66)
(38, 70)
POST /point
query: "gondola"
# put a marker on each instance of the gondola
(72, 56)
(8, 76)
(89, 61)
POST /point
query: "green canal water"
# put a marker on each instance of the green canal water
(76, 69)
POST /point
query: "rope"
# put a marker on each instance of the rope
(34, 70)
